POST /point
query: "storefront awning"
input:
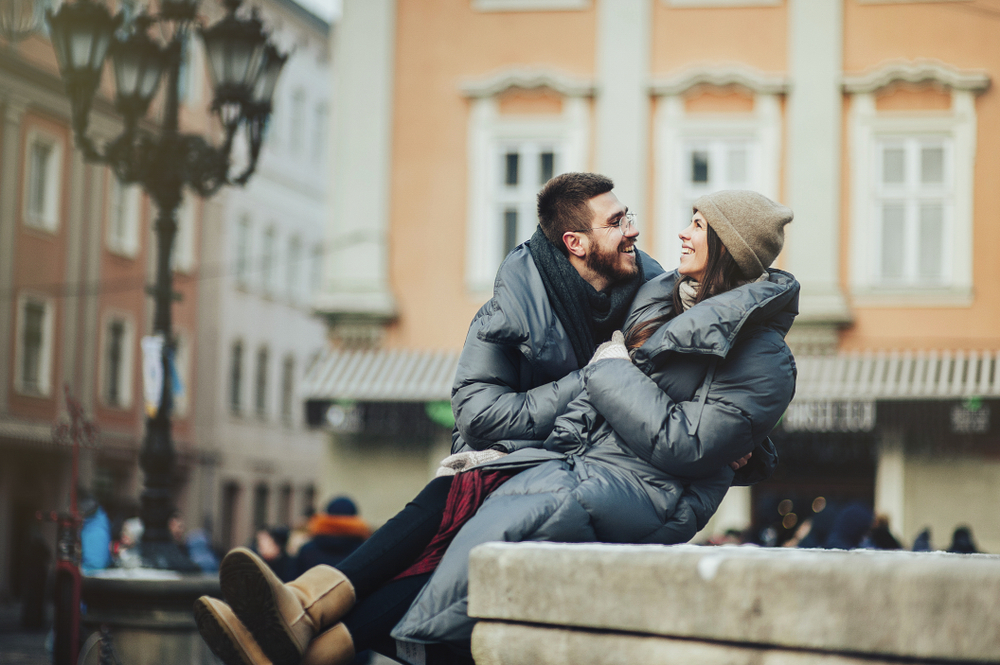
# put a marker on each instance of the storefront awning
(898, 375)
(399, 375)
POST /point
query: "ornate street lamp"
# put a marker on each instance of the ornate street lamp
(244, 68)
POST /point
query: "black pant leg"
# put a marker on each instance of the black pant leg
(394, 547)
(373, 618)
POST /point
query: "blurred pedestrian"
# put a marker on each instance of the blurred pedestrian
(193, 543)
(880, 537)
(962, 542)
(850, 527)
(336, 532)
(270, 544)
(129, 553)
(95, 534)
(922, 543)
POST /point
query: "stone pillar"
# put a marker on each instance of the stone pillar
(10, 176)
(623, 101)
(355, 293)
(815, 54)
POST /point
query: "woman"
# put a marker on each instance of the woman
(642, 456)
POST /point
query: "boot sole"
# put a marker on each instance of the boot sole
(246, 589)
(217, 636)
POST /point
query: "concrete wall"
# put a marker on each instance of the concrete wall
(558, 603)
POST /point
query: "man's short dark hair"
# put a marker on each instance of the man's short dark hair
(562, 203)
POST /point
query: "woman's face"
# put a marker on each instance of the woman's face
(694, 248)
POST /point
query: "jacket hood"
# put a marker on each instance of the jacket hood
(711, 326)
(520, 313)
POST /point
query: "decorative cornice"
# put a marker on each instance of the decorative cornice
(530, 79)
(917, 71)
(720, 75)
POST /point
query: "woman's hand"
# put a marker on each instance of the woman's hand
(615, 348)
(741, 462)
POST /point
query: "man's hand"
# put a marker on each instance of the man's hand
(741, 462)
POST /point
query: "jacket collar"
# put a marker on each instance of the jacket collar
(520, 313)
(711, 326)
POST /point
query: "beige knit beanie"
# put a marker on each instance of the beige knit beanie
(750, 225)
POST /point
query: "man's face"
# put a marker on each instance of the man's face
(612, 251)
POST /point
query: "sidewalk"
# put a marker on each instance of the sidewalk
(18, 646)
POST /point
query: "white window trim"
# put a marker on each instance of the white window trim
(45, 361)
(674, 127)
(722, 3)
(488, 128)
(127, 246)
(128, 357)
(528, 5)
(50, 219)
(867, 127)
(183, 256)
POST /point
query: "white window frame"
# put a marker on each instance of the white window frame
(122, 236)
(243, 251)
(183, 256)
(45, 359)
(490, 132)
(869, 128)
(528, 5)
(126, 369)
(676, 129)
(47, 219)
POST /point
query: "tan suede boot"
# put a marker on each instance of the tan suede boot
(283, 618)
(333, 647)
(228, 639)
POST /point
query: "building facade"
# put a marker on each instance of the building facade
(76, 254)
(255, 318)
(865, 116)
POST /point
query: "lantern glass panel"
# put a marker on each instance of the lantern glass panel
(150, 80)
(80, 45)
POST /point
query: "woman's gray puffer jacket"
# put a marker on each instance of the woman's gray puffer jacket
(517, 371)
(642, 455)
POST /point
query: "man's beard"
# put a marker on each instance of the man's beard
(612, 265)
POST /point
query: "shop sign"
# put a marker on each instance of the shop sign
(972, 417)
(830, 416)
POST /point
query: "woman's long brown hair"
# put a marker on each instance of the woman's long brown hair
(721, 274)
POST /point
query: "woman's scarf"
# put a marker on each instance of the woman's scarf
(689, 289)
(589, 316)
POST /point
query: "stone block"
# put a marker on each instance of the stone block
(890, 604)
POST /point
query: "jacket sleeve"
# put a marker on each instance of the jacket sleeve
(489, 409)
(693, 439)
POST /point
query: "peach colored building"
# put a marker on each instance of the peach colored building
(870, 118)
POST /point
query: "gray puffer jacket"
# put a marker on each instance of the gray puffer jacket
(517, 371)
(642, 455)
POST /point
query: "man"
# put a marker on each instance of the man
(556, 297)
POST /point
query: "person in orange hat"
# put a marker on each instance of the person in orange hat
(335, 533)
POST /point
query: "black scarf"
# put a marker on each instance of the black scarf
(589, 316)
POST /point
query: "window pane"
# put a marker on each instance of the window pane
(116, 336)
(511, 160)
(260, 398)
(931, 257)
(736, 171)
(509, 230)
(236, 377)
(699, 166)
(546, 167)
(893, 229)
(893, 166)
(31, 361)
(260, 499)
(40, 155)
(243, 249)
(932, 165)
(287, 389)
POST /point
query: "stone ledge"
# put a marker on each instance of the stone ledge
(858, 603)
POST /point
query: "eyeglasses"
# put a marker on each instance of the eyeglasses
(625, 223)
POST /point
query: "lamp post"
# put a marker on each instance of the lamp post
(244, 67)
